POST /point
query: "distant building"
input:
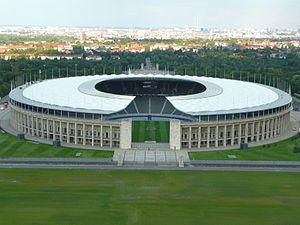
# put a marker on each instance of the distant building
(58, 57)
(94, 57)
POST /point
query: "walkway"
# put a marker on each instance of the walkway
(201, 165)
(158, 157)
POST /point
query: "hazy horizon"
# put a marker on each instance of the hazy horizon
(224, 14)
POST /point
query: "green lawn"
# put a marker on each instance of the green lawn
(158, 131)
(278, 151)
(10, 146)
(90, 197)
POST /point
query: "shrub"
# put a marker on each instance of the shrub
(296, 149)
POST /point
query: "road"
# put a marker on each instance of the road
(95, 164)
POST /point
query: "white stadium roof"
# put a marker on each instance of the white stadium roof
(221, 95)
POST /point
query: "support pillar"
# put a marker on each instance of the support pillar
(101, 136)
(36, 126)
(240, 134)
(253, 131)
(232, 134)
(93, 135)
(60, 131)
(217, 136)
(225, 136)
(175, 135)
(276, 127)
(32, 125)
(263, 130)
(199, 137)
(83, 134)
(271, 128)
(75, 127)
(190, 137)
(110, 136)
(54, 130)
(208, 137)
(125, 134)
(68, 132)
(42, 128)
(246, 133)
(268, 129)
(258, 132)
(48, 133)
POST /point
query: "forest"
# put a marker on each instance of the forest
(228, 63)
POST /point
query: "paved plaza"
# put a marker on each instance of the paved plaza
(151, 156)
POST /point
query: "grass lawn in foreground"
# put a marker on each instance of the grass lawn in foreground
(158, 131)
(104, 197)
(10, 146)
(281, 151)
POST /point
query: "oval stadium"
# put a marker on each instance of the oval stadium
(162, 111)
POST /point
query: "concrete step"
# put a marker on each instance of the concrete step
(150, 146)
(151, 156)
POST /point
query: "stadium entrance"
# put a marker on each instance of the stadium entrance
(151, 131)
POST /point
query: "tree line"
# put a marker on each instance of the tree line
(251, 64)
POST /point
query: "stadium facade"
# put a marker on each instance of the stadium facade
(99, 111)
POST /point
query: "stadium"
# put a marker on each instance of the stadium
(132, 111)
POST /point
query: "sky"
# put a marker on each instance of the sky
(152, 13)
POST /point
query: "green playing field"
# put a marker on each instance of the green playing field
(158, 131)
(105, 197)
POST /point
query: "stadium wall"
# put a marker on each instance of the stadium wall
(183, 135)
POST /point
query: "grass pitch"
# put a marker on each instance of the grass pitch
(158, 131)
(85, 197)
(281, 151)
(10, 146)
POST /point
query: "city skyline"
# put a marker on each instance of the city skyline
(153, 13)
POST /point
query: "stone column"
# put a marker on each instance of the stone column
(258, 133)
(283, 124)
(271, 128)
(54, 130)
(279, 125)
(253, 131)
(225, 136)
(93, 135)
(199, 137)
(110, 136)
(208, 137)
(17, 121)
(37, 131)
(246, 132)
(75, 128)
(190, 137)
(125, 134)
(32, 126)
(23, 123)
(48, 133)
(276, 127)
(60, 131)
(175, 135)
(240, 134)
(42, 128)
(232, 134)
(263, 130)
(28, 124)
(83, 134)
(68, 132)
(101, 135)
(268, 129)
(217, 136)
